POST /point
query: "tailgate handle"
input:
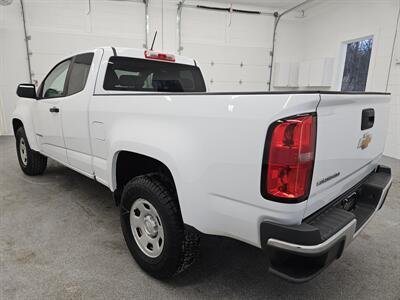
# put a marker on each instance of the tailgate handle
(368, 118)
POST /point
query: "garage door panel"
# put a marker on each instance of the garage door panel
(254, 73)
(241, 32)
(120, 18)
(60, 14)
(257, 86)
(193, 25)
(206, 54)
(255, 55)
(224, 86)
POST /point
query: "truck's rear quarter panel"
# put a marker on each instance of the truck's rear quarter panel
(212, 143)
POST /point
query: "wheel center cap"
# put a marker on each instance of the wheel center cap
(150, 226)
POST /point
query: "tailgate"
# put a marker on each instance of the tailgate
(351, 132)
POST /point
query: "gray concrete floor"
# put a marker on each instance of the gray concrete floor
(60, 238)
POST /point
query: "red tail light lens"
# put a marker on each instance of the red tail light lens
(289, 160)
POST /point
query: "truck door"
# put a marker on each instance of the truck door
(75, 112)
(47, 112)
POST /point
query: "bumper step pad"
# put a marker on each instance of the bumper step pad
(331, 221)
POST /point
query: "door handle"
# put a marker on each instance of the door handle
(54, 109)
(367, 118)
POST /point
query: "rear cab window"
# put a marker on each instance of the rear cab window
(143, 75)
(79, 73)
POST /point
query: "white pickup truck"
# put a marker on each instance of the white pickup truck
(293, 173)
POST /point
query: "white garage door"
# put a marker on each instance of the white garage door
(232, 49)
(61, 28)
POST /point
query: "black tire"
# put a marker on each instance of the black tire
(180, 247)
(33, 163)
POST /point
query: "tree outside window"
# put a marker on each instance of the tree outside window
(358, 55)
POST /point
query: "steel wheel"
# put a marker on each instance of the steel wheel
(22, 151)
(147, 228)
(153, 228)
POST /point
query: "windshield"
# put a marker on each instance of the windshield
(134, 74)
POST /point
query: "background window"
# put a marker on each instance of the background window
(79, 73)
(356, 65)
(54, 84)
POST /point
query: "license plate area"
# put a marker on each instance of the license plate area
(349, 203)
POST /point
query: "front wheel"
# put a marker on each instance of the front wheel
(153, 229)
(31, 162)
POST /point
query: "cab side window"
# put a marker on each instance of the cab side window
(54, 84)
(79, 73)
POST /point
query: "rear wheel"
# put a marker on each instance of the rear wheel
(31, 162)
(153, 228)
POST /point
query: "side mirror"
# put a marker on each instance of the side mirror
(26, 90)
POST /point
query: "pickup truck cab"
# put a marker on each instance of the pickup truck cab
(296, 174)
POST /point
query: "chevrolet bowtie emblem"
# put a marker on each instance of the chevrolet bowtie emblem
(364, 141)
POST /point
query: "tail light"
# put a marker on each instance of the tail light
(289, 159)
(159, 56)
